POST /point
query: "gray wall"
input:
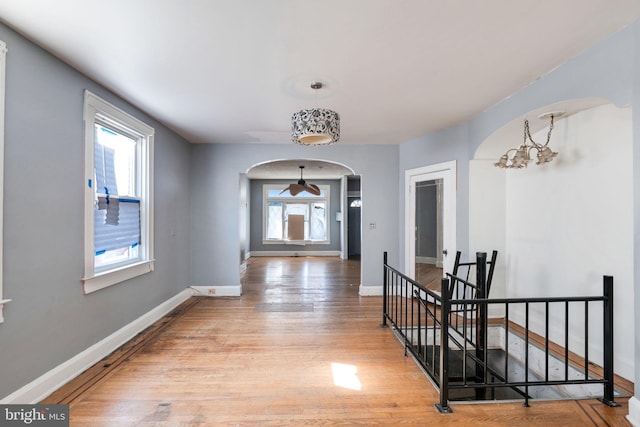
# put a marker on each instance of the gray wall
(446, 145)
(197, 194)
(610, 70)
(50, 319)
(215, 170)
(257, 222)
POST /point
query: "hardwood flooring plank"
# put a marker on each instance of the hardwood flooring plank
(221, 362)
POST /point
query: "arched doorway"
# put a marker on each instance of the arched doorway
(263, 204)
(559, 227)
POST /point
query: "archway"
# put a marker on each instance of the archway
(334, 176)
(561, 226)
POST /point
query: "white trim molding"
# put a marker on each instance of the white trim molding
(98, 111)
(46, 384)
(3, 60)
(295, 253)
(370, 290)
(2, 303)
(111, 277)
(217, 291)
(447, 171)
(426, 260)
(634, 412)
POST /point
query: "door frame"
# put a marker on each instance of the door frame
(344, 218)
(447, 172)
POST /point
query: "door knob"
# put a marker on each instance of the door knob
(444, 252)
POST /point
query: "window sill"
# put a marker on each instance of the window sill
(112, 277)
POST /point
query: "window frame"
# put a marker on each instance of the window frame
(295, 200)
(99, 111)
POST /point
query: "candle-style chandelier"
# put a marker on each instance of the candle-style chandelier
(522, 155)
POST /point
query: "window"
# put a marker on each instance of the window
(118, 195)
(300, 218)
(3, 53)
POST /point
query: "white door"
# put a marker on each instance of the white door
(442, 177)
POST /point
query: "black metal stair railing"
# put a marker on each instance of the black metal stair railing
(419, 317)
(417, 324)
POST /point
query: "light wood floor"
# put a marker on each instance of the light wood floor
(300, 347)
(429, 276)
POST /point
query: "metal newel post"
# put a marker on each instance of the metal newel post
(608, 342)
(384, 290)
(443, 406)
(481, 322)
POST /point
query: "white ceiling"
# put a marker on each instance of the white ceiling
(233, 71)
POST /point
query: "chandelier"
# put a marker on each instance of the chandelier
(522, 155)
(316, 126)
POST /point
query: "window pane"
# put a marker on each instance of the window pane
(311, 208)
(317, 227)
(116, 256)
(116, 230)
(116, 221)
(114, 162)
(105, 172)
(310, 196)
(274, 221)
(296, 209)
(276, 193)
(273, 193)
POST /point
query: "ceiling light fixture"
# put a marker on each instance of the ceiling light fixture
(522, 155)
(295, 189)
(316, 126)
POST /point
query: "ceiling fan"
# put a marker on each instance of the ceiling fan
(301, 186)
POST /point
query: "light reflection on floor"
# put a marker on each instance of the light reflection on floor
(346, 376)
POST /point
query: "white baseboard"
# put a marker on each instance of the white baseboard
(295, 253)
(634, 412)
(217, 291)
(370, 290)
(426, 260)
(429, 261)
(51, 381)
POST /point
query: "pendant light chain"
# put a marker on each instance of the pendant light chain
(527, 133)
(522, 154)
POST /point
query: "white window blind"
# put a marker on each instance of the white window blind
(117, 210)
(117, 224)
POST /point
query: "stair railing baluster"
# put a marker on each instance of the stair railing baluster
(385, 284)
(586, 339)
(443, 406)
(458, 295)
(608, 397)
(481, 324)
